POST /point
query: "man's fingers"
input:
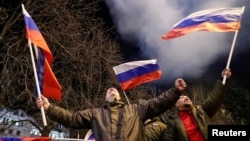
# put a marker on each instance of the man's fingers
(182, 83)
(226, 72)
(39, 101)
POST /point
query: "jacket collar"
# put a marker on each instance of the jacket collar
(175, 113)
(119, 104)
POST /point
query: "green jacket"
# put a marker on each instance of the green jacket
(154, 130)
(175, 130)
(103, 120)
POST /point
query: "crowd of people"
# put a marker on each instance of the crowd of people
(147, 120)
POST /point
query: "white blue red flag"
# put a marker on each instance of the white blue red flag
(134, 73)
(89, 136)
(25, 139)
(217, 20)
(49, 86)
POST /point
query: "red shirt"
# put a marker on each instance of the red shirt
(192, 130)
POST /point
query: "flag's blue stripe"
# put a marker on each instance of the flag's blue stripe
(210, 19)
(11, 139)
(139, 71)
(91, 137)
(40, 68)
(30, 23)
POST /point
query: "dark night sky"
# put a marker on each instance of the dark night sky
(141, 24)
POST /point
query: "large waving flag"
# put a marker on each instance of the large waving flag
(49, 86)
(25, 139)
(134, 73)
(217, 20)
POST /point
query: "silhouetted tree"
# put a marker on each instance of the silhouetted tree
(237, 102)
(84, 46)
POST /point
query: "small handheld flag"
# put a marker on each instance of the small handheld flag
(25, 139)
(89, 136)
(134, 73)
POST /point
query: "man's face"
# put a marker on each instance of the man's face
(112, 95)
(184, 103)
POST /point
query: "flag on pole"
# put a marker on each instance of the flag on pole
(134, 73)
(48, 83)
(25, 139)
(217, 20)
(89, 136)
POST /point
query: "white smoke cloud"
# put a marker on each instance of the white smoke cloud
(145, 21)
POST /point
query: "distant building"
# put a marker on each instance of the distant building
(24, 127)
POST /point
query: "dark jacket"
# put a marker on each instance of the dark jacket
(176, 131)
(154, 130)
(103, 120)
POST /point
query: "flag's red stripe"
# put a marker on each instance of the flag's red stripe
(25, 139)
(141, 79)
(36, 38)
(37, 139)
(216, 27)
(51, 87)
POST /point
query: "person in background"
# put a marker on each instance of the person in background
(114, 120)
(189, 122)
(154, 129)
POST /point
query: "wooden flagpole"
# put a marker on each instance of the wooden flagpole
(36, 79)
(231, 51)
(126, 96)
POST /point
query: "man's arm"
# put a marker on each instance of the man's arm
(156, 106)
(78, 119)
(214, 101)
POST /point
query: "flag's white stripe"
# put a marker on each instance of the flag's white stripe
(25, 12)
(213, 12)
(218, 11)
(131, 65)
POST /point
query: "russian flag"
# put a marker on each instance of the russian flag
(89, 136)
(134, 73)
(217, 20)
(49, 85)
(25, 139)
